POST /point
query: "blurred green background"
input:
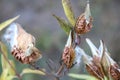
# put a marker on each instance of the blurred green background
(36, 18)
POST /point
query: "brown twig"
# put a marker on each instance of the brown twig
(56, 78)
(57, 75)
(36, 68)
(60, 70)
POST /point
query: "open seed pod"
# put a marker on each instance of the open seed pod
(113, 68)
(95, 67)
(84, 22)
(22, 44)
(68, 55)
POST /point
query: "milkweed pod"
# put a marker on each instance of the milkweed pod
(84, 22)
(22, 44)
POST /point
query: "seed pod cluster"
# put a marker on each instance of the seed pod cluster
(101, 65)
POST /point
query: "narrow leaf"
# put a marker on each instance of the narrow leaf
(28, 71)
(63, 24)
(81, 76)
(10, 77)
(6, 23)
(4, 51)
(5, 64)
(11, 71)
(68, 11)
(4, 74)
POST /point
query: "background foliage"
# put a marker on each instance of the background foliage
(36, 18)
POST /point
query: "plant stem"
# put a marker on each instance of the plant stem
(60, 70)
(56, 78)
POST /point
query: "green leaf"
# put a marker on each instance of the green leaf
(10, 77)
(68, 11)
(11, 71)
(5, 64)
(6, 23)
(4, 51)
(63, 24)
(4, 74)
(81, 76)
(28, 71)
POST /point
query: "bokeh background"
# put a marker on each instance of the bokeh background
(36, 18)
